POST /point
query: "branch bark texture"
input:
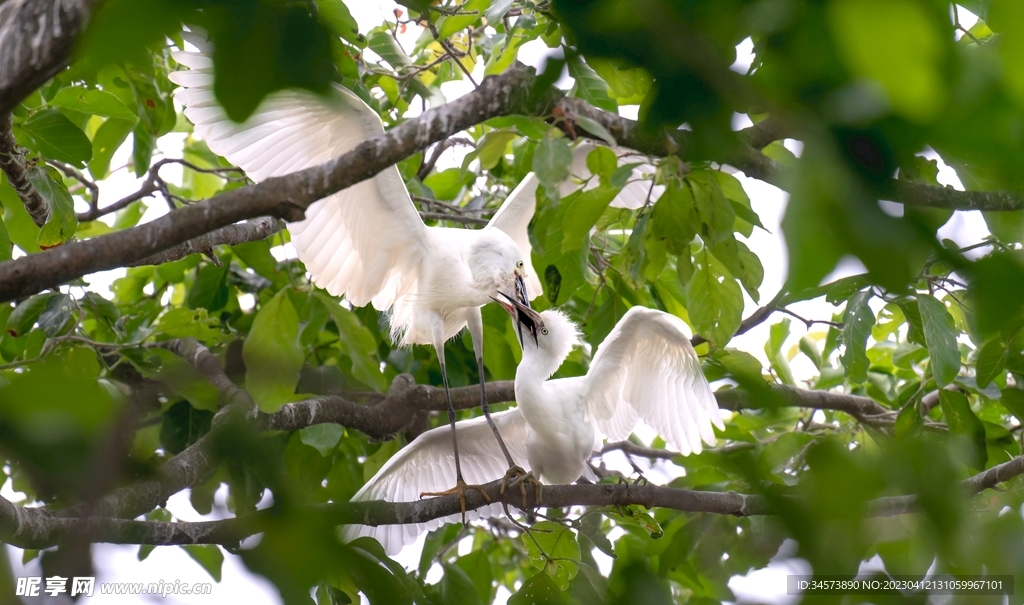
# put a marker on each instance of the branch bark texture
(13, 165)
(37, 528)
(36, 39)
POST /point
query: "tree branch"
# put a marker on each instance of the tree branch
(248, 231)
(755, 164)
(36, 39)
(12, 162)
(37, 528)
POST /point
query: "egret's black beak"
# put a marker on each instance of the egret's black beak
(520, 292)
(523, 316)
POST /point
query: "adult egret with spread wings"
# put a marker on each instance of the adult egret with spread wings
(368, 243)
(645, 369)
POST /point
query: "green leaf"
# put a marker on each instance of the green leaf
(743, 264)
(899, 45)
(272, 354)
(581, 214)
(56, 137)
(628, 85)
(1013, 400)
(497, 10)
(715, 303)
(778, 334)
(183, 425)
(384, 45)
(810, 348)
(337, 15)
(477, 566)
(324, 437)
(208, 556)
(182, 378)
(674, 219)
(857, 322)
(92, 101)
(713, 210)
(991, 361)
(191, 323)
(492, 148)
(56, 316)
(356, 343)
(590, 87)
(453, 23)
(108, 138)
(456, 587)
(63, 222)
(596, 129)
(537, 590)
(551, 161)
(964, 426)
(143, 145)
(908, 422)
(733, 191)
(6, 246)
(447, 184)
(602, 162)
(210, 290)
(940, 336)
(24, 316)
(562, 551)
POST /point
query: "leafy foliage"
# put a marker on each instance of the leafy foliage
(932, 332)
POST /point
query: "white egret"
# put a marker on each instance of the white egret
(368, 243)
(645, 369)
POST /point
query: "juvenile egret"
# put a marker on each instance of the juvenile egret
(645, 369)
(368, 243)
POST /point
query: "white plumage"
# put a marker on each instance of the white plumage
(645, 370)
(366, 243)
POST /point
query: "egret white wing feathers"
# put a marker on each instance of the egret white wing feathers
(513, 218)
(340, 240)
(647, 369)
(428, 465)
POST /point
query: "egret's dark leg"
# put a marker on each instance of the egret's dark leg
(516, 474)
(460, 484)
(487, 411)
(451, 417)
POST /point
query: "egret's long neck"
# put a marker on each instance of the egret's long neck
(536, 367)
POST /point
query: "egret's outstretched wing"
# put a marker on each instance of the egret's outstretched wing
(365, 242)
(428, 465)
(513, 218)
(638, 189)
(646, 369)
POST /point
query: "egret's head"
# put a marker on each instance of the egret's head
(550, 332)
(498, 264)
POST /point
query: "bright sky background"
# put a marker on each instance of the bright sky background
(120, 564)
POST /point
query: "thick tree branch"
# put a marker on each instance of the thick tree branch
(248, 231)
(12, 162)
(285, 197)
(36, 38)
(37, 528)
(755, 164)
(288, 196)
(393, 413)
